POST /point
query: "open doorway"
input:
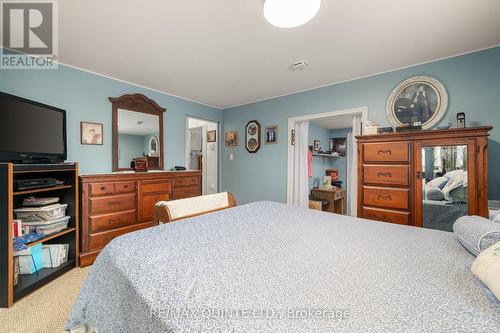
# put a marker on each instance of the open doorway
(322, 160)
(202, 151)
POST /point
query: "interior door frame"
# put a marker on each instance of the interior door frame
(472, 191)
(204, 149)
(363, 111)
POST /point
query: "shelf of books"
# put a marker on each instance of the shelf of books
(40, 235)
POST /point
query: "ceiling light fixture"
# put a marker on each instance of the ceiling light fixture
(290, 13)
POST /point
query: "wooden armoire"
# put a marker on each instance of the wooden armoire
(393, 169)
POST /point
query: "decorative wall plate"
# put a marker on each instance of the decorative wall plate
(420, 100)
(252, 136)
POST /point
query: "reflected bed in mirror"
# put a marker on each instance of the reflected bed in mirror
(445, 186)
(137, 132)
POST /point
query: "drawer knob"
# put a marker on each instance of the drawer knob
(125, 186)
(385, 174)
(103, 188)
(385, 151)
(384, 197)
(113, 203)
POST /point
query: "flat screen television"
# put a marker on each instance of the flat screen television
(31, 132)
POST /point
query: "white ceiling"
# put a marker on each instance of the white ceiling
(337, 122)
(128, 123)
(224, 53)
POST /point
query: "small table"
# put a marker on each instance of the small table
(334, 195)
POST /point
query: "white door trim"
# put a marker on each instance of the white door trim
(291, 124)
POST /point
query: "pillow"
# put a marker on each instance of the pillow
(476, 233)
(434, 194)
(487, 268)
(456, 180)
(495, 215)
(439, 182)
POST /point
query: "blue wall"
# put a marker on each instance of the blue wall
(472, 81)
(85, 97)
(129, 147)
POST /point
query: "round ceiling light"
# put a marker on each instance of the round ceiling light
(290, 13)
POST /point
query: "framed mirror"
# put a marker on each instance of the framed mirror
(137, 132)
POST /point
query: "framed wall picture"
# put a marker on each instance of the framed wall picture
(231, 139)
(212, 136)
(91, 133)
(252, 136)
(271, 135)
(420, 100)
(317, 145)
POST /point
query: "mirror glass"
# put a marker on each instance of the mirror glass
(138, 137)
(444, 182)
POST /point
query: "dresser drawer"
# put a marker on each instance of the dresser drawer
(112, 221)
(125, 187)
(186, 192)
(102, 189)
(386, 152)
(386, 174)
(386, 215)
(111, 204)
(386, 197)
(186, 181)
(156, 186)
(100, 240)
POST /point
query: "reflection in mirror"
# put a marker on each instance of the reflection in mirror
(138, 137)
(444, 186)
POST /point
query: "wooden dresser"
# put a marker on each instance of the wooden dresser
(391, 175)
(117, 203)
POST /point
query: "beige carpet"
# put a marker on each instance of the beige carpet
(47, 309)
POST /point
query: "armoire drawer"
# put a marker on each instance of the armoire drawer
(185, 181)
(386, 174)
(386, 197)
(111, 204)
(386, 152)
(112, 221)
(385, 215)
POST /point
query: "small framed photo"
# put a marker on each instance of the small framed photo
(91, 133)
(317, 145)
(212, 136)
(231, 139)
(271, 134)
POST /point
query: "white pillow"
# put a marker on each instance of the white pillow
(457, 179)
(487, 268)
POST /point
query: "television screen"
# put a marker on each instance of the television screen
(30, 130)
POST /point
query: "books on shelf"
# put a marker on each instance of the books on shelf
(17, 228)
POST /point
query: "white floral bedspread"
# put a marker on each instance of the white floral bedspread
(269, 267)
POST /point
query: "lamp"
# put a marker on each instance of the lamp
(290, 13)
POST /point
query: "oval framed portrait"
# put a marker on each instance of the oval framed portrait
(417, 100)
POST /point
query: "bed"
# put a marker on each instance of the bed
(441, 215)
(268, 267)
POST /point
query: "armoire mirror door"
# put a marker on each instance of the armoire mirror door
(445, 188)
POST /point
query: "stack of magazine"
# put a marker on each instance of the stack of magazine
(45, 216)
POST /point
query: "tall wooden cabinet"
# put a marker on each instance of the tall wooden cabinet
(117, 203)
(10, 199)
(393, 169)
